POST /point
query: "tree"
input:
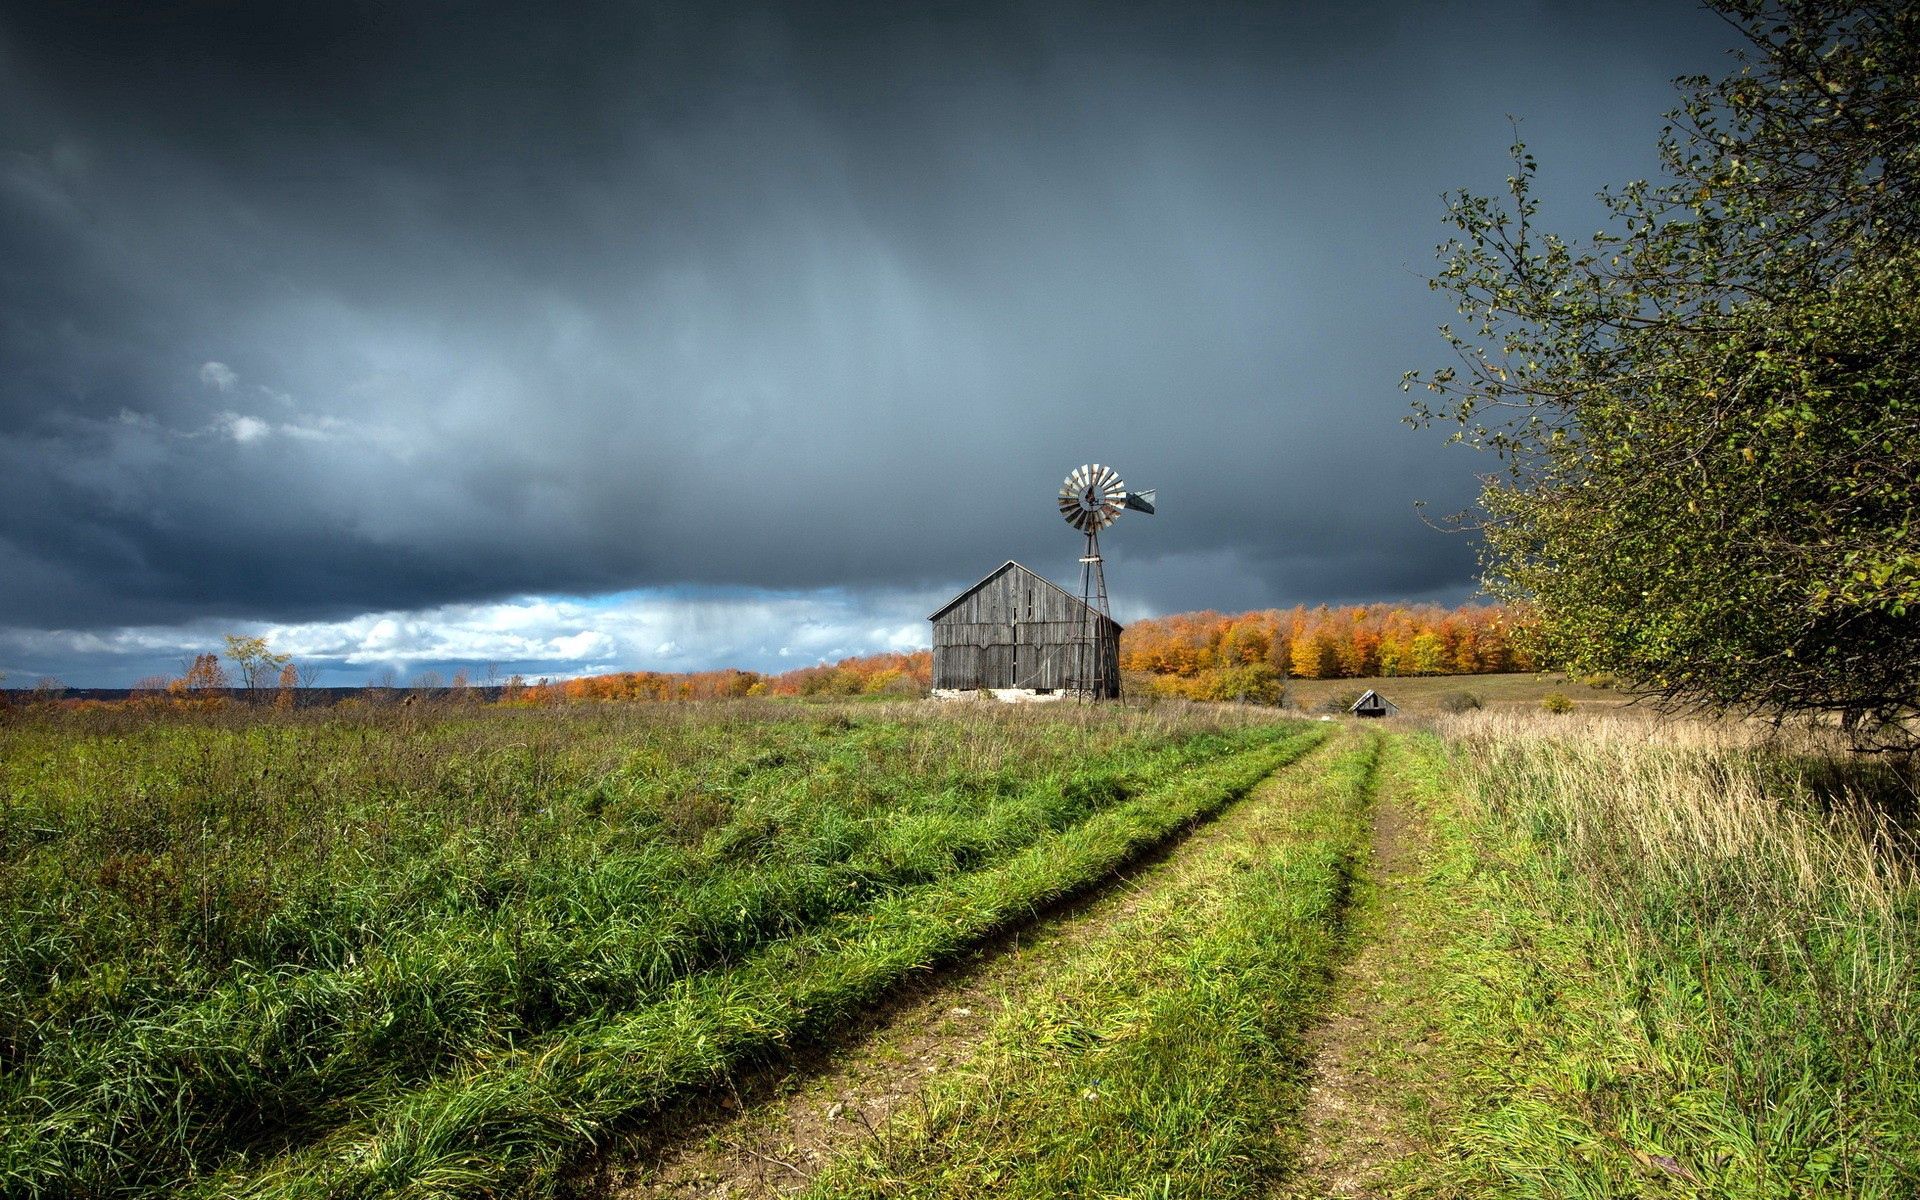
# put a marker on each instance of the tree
(1709, 414)
(257, 663)
(1360, 653)
(1243, 642)
(203, 674)
(1315, 656)
(1251, 683)
(1426, 654)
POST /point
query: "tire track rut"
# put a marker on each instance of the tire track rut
(1354, 1126)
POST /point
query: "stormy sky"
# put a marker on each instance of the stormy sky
(572, 337)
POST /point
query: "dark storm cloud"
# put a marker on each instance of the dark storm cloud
(315, 310)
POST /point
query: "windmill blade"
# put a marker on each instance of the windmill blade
(1093, 497)
(1141, 501)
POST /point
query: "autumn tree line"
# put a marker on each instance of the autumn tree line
(908, 674)
(1215, 656)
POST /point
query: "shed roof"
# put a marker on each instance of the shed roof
(1371, 699)
(1002, 569)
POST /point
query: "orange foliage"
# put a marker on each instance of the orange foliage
(1329, 643)
(877, 674)
(205, 675)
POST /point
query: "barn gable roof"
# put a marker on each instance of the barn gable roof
(1372, 701)
(1002, 569)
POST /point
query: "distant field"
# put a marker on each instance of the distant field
(1427, 694)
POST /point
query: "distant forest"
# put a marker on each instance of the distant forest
(1215, 656)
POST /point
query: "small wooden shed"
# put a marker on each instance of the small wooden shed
(1017, 631)
(1373, 704)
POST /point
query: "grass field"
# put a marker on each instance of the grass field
(470, 952)
(1426, 694)
(1698, 968)
(281, 955)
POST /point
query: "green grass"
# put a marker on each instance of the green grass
(443, 953)
(450, 953)
(1164, 1060)
(1435, 693)
(1678, 964)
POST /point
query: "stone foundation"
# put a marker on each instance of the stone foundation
(1004, 695)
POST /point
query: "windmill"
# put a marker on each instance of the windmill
(1092, 498)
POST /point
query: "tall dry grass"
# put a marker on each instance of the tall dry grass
(1752, 905)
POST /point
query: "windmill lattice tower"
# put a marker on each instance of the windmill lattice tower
(1092, 498)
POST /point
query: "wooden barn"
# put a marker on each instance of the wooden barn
(1014, 631)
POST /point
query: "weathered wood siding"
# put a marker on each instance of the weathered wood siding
(1014, 629)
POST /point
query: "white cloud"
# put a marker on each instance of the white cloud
(248, 427)
(219, 376)
(242, 428)
(309, 428)
(555, 636)
(586, 643)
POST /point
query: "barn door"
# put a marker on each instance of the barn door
(1038, 650)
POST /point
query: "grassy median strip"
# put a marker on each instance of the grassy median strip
(511, 1122)
(1164, 1059)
